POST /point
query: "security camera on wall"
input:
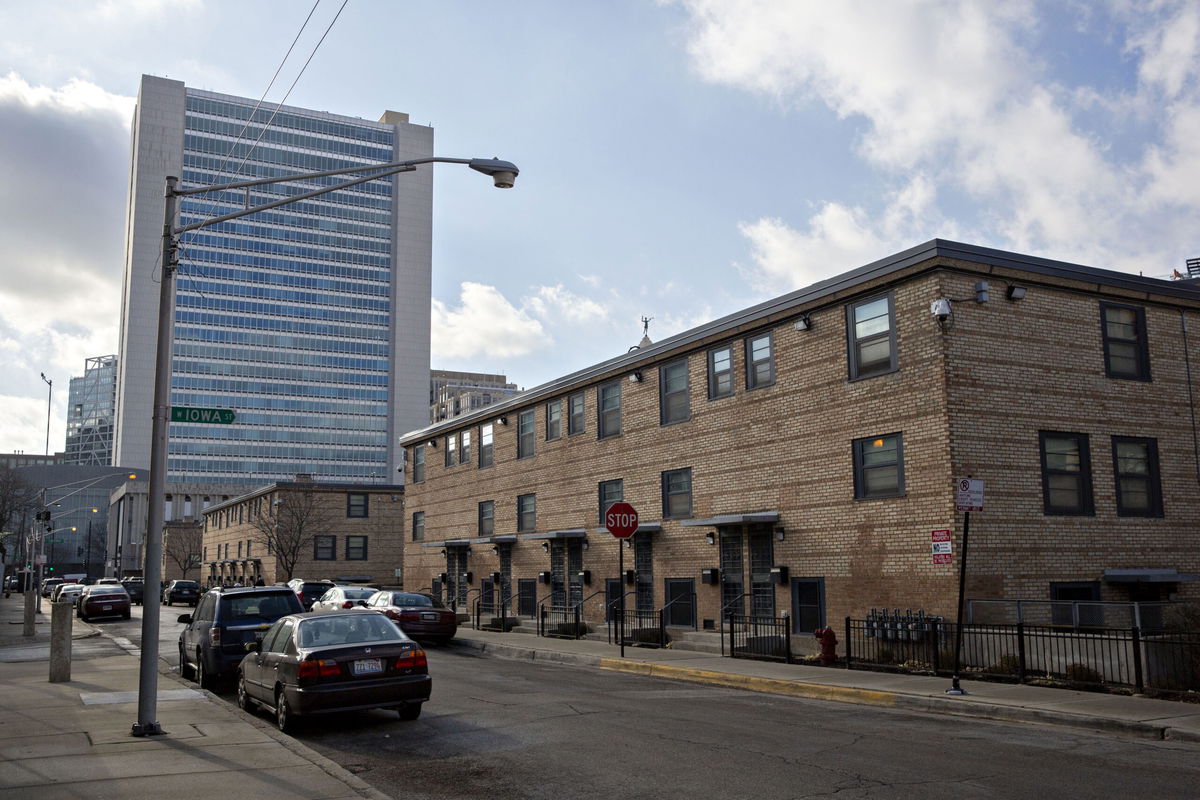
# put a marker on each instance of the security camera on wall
(940, 308)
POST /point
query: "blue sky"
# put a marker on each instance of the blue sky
(680, 159)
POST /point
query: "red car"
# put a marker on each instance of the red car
(103, 600)
(421, 616)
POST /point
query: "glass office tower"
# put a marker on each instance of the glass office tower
(91, 405)
(310, 321)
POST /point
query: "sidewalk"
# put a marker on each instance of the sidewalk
(1131, 716)
(72, 739)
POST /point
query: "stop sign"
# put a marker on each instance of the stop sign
(621, 520)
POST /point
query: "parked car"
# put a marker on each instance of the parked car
(102, 600)
(212, 644)
(48, 585)
(421, 616)
(340, 661)
(108, 580)
(136, 588)
(309, 591)
(181, 592)
(342, 597)
(67, 593)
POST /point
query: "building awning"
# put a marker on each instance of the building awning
(570, 533)
(733, 519)
(643, 527)
(1149, 576)
(508, 538)
(450, 543)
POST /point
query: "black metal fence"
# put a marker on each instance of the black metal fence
(1161, 662)
(760, 638)
(645, 628)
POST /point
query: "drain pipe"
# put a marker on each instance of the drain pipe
(1191, 400)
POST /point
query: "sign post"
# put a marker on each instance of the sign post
(621, 520)
(968, 497)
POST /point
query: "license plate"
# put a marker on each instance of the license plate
(429, 617)
(367, 666)
(106, 608)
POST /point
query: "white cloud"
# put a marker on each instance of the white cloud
(550, 302)
(484, 324)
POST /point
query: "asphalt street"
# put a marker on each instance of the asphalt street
(518, 729)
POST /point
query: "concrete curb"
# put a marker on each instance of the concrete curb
(329, 767)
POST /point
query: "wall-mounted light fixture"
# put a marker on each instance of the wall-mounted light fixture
(502, 420)
(585, 544)
(779, 533)
(710, 537)
(804, 323)
(545, 547)
(635, 376)
(1015, 293)
(432, 443)
(496, 549)
(443, 551)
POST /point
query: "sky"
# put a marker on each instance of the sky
(680, 159)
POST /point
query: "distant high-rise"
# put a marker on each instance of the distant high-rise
(455, 393)
(91, 408)
(311, 321)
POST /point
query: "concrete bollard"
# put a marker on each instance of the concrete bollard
(60, 641)
(30, 612)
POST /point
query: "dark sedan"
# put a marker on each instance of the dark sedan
(340, 661)
(182, 592)
(421, 616)
(102, 600)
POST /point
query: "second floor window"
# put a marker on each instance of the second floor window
(1066, 473)
(464, 453)
(872, 337)
(418, 467)
(677, 493)
(553, 419)
(879, 466)
(356, 548)
(608, 403)
(760, 362)
(485, 445)
(527, 512)
(1125, 352)
(451, 450)
(720, 372)
(673, 401)
(610, 492)
(356, 504)
(418, 526)
(1135, 467)
(487, 517)
(324, 548)
(575, 414)
(525, 434)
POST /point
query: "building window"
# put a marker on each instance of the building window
(487, 517)
(356, 504)
(418, 526)
(879, 466)
(673, 402)
(610, 492)
(239, 550)
(872, 337)
(760, 362)
(1066, 473)
(249, 543)
(1135, 468)
(575, 414)
(356, 548)
(451, 448)
(324, 548)
(553, 420)
(1125, 351)
(485, 445)
(525, 434)
(464, 452)
(608, 410)
(418, 469)
(677, 493)
(527, 512)
(1076, 603)
(720, 372)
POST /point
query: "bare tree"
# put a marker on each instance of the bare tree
(19, 500)
(287, 526)
(182, 546)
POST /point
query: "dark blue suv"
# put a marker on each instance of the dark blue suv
(213, 643)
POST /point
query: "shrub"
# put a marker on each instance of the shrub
(1082, 673)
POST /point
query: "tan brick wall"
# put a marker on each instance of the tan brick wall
(968, 399)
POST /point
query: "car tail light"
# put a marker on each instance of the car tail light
(347, 604)
(412, 659)
(314, 669)
(214, 636)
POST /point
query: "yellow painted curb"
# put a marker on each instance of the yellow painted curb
(816, 691)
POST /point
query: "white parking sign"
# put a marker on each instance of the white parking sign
(968, 495)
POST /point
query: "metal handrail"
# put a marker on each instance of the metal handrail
(466, 599)
(721, 617)
(690, 596)
(504, 606)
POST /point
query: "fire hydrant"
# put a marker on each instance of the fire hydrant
(828, 640)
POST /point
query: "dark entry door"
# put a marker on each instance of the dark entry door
(808, 604)
(681, 602)
(527, 596)
(612, 598)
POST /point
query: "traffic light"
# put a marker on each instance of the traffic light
(49, 569)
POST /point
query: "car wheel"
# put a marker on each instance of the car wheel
(285, 720)
(82, 616)
(127, 615)
(409, 713)
(243, 699)
(185, 669)
(202, 675)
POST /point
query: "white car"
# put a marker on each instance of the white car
(340, 598)
(69, 593)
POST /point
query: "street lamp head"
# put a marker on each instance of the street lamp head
(504, 173)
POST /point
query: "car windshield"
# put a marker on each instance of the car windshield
(414, 601)
(347, 629)
(358, 594)
(186, 585)
(258, 606)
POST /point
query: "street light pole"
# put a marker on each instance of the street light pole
(503, 174)
(49, 398)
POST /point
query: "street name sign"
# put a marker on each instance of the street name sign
(220, 416)
(621, 520)
(942, 547)
(968, 495)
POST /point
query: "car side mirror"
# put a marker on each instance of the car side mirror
(251, 647)
(186, 619)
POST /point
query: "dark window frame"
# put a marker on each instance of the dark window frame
(752, 381)
(1086, 506)
(604, 503)
(490, 517)
(527, 440)
(417, 528)
(487, 445)
(350, 505)
(861, 468)
(667, 493)
(854, 344)
(464, 447)
(665, 397)
(324, 543)
(350, 548)
(1140, 343)
(576, 421)
(525, 525)
(450, 445)
(554, 426)
(1153, 478)
(418, 466)
(602, 427)
(714, 390)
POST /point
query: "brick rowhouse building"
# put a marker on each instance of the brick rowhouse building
(794, 457)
